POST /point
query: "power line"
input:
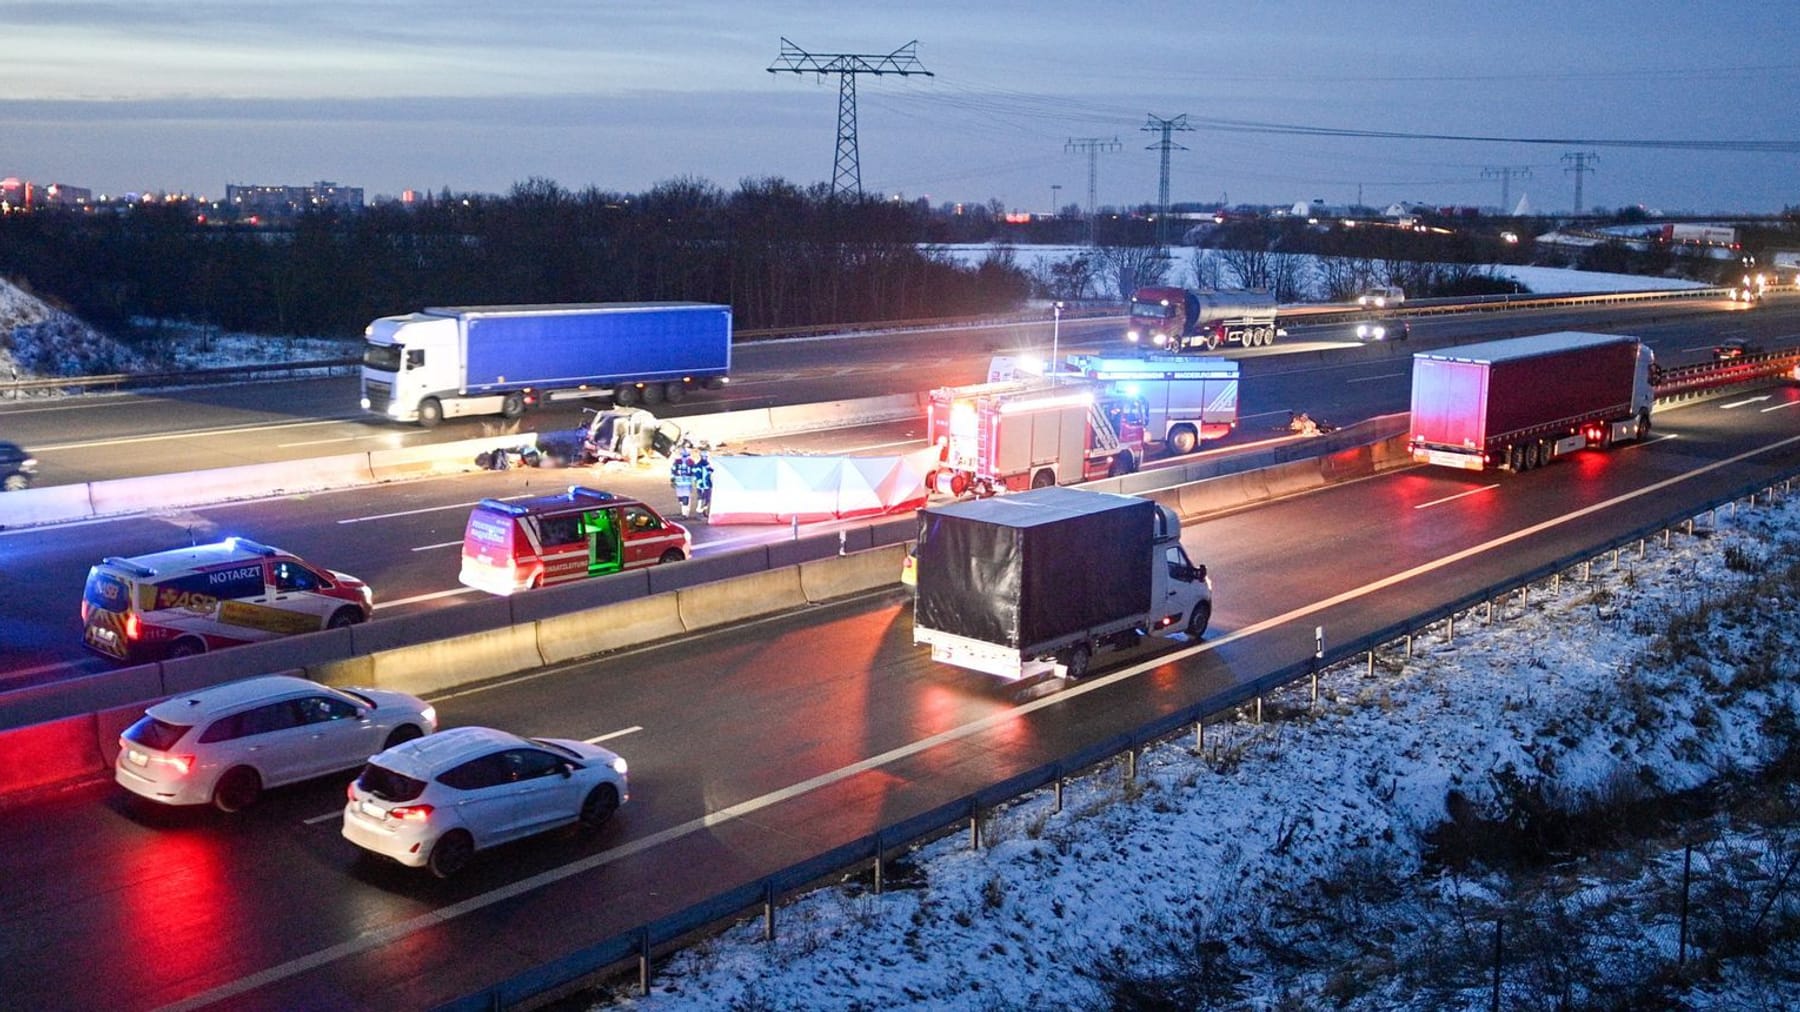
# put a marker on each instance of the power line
(846, 172)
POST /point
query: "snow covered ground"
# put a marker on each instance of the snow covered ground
(1290, 865)
(1538, 280)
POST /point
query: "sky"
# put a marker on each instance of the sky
(396, 94)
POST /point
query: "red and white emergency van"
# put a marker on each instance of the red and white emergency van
(187, 601)
(514, 546)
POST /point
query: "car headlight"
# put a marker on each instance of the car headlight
(618, 765)
(429, 715)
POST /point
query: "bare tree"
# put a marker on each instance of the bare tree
(1129, 268)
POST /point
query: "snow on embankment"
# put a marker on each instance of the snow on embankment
(37, 341)
(1303, 863)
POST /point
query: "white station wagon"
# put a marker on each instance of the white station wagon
(224, 744)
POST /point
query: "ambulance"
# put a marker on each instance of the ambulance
(514, 546)
(188, 601)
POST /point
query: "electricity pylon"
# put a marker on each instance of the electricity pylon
(1165, 127)
(1093, 146)
(846, 173)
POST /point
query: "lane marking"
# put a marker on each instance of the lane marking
(1453, 498)
(633, 729)
(339, 439)
(1778, 407)
(428, 509)
(441, 544)
(377, 937)
(1371, 379)
(196, 434)
(1747, 400)
(416, 598)
(327, 817)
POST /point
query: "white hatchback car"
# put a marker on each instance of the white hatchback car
(224, 744)
(434, 802)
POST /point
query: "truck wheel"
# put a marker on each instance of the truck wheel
(1199, 620)
(1122, 465)
(625, 395)
(431, 412)
(1075, 662)
(1514, 462)
(1183, 439)
(1043, 479)
(653, 393)
(1643, 425)
(513, 405)
(674, 392)
(1533, 456)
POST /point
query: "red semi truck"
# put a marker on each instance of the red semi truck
(1525, 401)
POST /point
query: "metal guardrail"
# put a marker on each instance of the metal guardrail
(640, 943)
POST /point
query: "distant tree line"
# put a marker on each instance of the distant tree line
(779, 254)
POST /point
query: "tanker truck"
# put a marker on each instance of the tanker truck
(1174, 319)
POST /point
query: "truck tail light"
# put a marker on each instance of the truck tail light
(132, 629)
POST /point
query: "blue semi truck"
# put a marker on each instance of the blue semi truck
(502, 360)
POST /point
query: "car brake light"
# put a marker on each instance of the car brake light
(84, 612)
(410, 813)
(181, 764)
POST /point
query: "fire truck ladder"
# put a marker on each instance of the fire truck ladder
(1105, 439)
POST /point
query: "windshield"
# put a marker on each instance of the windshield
(385, 357)
(1152, 310)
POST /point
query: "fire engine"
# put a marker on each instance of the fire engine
(1030, 433)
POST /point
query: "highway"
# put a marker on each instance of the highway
(273, 910)
(404, 538)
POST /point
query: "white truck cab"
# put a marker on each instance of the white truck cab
(410, 360)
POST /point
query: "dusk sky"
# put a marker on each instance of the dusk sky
(389, 95)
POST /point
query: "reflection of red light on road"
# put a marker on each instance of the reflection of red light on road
(180, 906)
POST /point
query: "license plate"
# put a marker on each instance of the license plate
(99, 635)
(373, 810)
(138, 758)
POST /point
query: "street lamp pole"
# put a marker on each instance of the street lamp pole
(1055, 207)
(1055, 336)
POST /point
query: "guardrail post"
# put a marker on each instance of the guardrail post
(1615, 558)
(1450, 629)
(1556, 584)
(1130, 766)
(878, 879)
(1059, 792)
(1488, 618)
(1666, 533)
(1371, 662)
(975, 830)
(1690, 527)
(1640, 548)
(644, 963)
(1259, 709)
(1409, 646)
(768, 911)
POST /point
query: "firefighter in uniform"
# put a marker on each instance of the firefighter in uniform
(681, 478)
(703, 485)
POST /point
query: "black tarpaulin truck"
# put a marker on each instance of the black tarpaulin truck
(1035, 583)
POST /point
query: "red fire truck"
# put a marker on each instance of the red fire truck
(1029, 433)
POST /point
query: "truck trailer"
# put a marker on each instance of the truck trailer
(1525, 401)
(1184, 401)
(1029, 433)
(465, 360)
(1174, 319)
(1036, 583)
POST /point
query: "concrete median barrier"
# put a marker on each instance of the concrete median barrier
(56, 504)
(842, 575)
(52, 701)
(567, 598)
(223, 484)
(707, 569)
(290, 654)
(438, 665)
(1293, 478)
(611, 627)
(817, 546)
(41, 756)
(440, 458)
(707, 605)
